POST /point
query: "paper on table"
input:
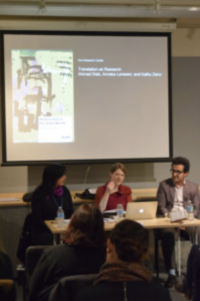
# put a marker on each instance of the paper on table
(92, 190)
(108, 220)
(110, 211)
(55, 224)
(9, 199)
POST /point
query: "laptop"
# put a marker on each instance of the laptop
(141, 210)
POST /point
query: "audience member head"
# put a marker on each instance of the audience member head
(179, 169)
(86, 227)
(53, 176)
(117, 173)
(128, 242)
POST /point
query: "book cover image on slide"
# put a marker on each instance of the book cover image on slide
(42, 96)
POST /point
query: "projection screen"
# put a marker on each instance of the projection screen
(86, 96)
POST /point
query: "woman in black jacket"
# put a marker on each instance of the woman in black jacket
(46, 199)
(82, 253)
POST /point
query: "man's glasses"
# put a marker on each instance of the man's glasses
(176, 171)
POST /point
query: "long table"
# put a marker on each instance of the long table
(157, 223)
(138, 194)
(14, 199)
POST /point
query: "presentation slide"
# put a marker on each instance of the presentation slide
(86, 97)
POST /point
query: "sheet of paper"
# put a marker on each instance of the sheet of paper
(92, 190)
(9, 199)
(109, 220)
(110, 211)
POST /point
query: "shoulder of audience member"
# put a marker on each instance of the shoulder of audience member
(53, 249)
(152, 288)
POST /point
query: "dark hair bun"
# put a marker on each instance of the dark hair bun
(130, 240)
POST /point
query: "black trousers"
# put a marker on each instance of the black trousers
(168, 237)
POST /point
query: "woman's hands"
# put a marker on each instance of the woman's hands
(111, 187)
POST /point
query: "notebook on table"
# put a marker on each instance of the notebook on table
(141, 210)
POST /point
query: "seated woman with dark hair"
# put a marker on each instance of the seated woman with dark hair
(83, 252)
(122, 277)
(7, 288)
(46, 199)
(114, 192)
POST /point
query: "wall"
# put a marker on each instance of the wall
(186, 105)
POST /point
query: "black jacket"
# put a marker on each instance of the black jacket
(46, 209)
(122, 291)
(60, 261)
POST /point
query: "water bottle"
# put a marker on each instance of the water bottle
(120, 211)
(60, 217)
(190, 211)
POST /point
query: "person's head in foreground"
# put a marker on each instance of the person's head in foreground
(128, 243)
(123, 277)
(180, 168)
(54, 175)
(127, 248)
(86, 227)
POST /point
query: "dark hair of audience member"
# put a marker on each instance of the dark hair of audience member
(131, 241)
(50, 176)
(86, 227)
(182, 161)
(116, 166)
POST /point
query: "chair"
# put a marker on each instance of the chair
(6, 285)
(67, 288)
(33, 254)
(25, 239)
(24, 272)
(7, 290)
(183, 235)
(27, 197)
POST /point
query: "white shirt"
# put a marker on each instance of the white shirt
(178, 198)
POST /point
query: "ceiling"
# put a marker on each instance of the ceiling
(184, 11)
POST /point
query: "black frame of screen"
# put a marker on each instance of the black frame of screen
(87, 161)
